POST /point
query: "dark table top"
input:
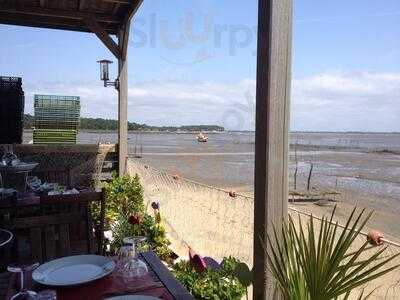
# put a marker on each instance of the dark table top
(159, 283)
(31, 199)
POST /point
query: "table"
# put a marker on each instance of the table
(159, 283)
(33, 199)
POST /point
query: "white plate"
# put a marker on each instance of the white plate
(133, 297)
(73, 270)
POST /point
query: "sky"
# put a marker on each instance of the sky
(194, 62)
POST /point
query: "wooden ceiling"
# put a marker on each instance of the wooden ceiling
(76, 15)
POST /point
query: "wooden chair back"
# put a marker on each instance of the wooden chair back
(63, 227)
(62, 177)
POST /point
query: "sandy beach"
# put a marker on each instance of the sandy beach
(365, 178)
(363, 167)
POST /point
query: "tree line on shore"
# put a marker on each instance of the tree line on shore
(109, 124)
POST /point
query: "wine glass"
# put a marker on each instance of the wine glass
(24, 293)
(131, 265)
(136, 241)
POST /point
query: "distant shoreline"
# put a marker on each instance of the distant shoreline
(141, 131)
(225, 131)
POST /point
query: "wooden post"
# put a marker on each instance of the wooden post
(123, 38)
(272, 127)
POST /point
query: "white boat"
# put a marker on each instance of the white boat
(201, 138)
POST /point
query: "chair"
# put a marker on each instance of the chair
(63, 227)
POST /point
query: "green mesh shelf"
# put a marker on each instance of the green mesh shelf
(57, 112)
(54, 136)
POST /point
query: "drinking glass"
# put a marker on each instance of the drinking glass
(47, 295)
(136, 241)
(131, 265)
(24, 293)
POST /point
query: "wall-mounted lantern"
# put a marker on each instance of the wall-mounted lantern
(105, 75)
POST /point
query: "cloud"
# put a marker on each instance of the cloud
(162, 102)
(347, 101)
(334, 101)
(95, 100)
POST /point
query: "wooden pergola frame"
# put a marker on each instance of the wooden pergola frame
(113, 17)
(101, 17)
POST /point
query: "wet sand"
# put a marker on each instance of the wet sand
(366, 180)
(364, 167)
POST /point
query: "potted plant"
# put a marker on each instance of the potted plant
(323, 262)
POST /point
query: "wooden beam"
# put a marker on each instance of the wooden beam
(123, 40)
(45, 22)
(103, 36)
(118, 1)
(43, 3)
(116, 8)
(123, 99)
(81, 4)
(132, 10)
(57, 13)
(272, 127)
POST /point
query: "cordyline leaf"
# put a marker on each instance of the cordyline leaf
(364, 278)
(342, 246)
(318, 265)
(342, 270)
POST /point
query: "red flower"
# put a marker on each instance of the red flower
(134, 220)
(197, 261)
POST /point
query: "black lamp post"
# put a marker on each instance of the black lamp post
(104, 74)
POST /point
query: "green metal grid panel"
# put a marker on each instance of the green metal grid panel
(56, 112)
(54, 136)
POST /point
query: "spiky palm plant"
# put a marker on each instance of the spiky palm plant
(322, 266)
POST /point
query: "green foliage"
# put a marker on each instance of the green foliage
(244, 274)
(121, 228)
(155, 233)
(124, 197)
(108, 124)
(323, 266)
(156, 236)
(219, 284)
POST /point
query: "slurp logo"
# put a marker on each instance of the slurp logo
(197, 36)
